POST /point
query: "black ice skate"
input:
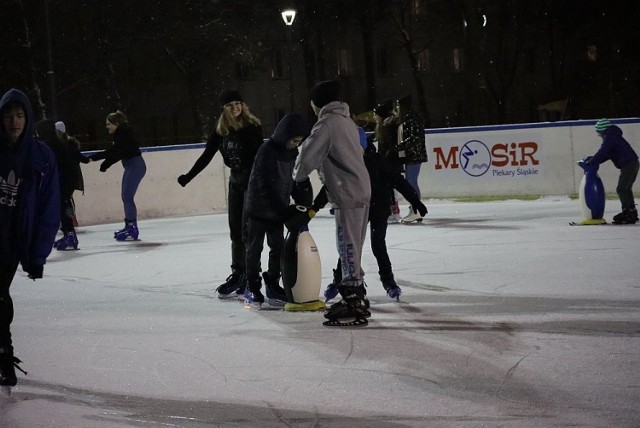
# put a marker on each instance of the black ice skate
(233, 287)
(8, 364)
(390, 286)
(351, 311)
(627, 216)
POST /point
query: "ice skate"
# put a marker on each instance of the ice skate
(8, 365)
(276, 296)
(332, 289)
(394, 217)
(351, 311)
(253, 298)
(390, 286)
(233, 287)
(129, 233)
(627, 216)
(68, 242)
(413, 217)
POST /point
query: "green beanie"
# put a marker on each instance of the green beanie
(602, 124)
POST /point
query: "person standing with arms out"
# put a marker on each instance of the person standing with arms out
(412, 149)
(333, 148)
(125, 148)
(237, 136)
(615, 148)
(267, 200)
(68, 160)
(29, 212)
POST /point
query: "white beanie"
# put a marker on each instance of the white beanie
(61, 127)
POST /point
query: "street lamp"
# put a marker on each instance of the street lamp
(288, 16)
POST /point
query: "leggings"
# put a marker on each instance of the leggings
(134, 170)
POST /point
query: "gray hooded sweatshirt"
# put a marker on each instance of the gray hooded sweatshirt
(333, 148)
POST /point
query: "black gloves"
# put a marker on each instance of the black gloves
(183, 180)
(85, 159)
(104, 166)
(296, 216)
(34, 271)
(421, 208)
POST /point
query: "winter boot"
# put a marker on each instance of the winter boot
(332, 289)
(68, 242)
(253, 298)
(351, 310)
(276, 295)
(129, 233)
(627, 216)
(390, 286)
(229, 289)
(413, 217)
(8, 364)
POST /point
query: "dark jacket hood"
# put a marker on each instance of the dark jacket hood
(613, 130)
(290, 126)
(46, 130)
(17, 96)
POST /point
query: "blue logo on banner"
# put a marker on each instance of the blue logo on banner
(475, 158)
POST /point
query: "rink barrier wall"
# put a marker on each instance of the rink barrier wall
(523, 159)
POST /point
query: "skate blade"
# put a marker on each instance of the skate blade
(252, 306)
(358, 322)
(67, 249)
(305, 307)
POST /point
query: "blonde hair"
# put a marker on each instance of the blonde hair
(117, 118)
(227, 123)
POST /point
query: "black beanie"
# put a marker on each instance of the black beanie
(228, 96)
(384, 109)
(325, 92)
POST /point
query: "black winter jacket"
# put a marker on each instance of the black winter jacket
(124, 147)
(271, 182)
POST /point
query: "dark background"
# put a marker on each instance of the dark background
(465, 62)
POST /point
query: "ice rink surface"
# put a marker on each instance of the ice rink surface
(509, 317)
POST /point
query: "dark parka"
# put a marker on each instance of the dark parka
(28, 171)
(615, 148)
(271, 184)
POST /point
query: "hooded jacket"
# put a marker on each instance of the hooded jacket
(615, 148)
(333, 148)
(29, 193)
(271, 184)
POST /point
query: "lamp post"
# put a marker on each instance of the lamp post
(288, 16)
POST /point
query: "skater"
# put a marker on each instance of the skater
(68, 160)
(615, 148)
(61, 130)
(412, 150)
(386, 134)
(237, 136)
(385, 177)
(29, 212)
(333, 148)
(125, 148)
(270, 187)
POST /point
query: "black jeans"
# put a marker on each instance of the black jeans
(378, 228)
(236, 226)
(7, 272)
(628, 175)
(257, 229)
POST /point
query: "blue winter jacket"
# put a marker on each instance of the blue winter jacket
(615, 148)
(29, 171)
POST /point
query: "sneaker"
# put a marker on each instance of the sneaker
(413, 217)
(68, 242)
(230, 288)
(253, 299)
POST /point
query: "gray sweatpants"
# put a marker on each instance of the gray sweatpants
(351, 231)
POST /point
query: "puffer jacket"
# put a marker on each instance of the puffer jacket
(412, 147)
